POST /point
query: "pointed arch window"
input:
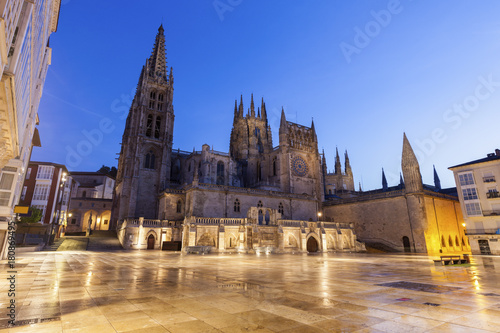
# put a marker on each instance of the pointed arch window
(274, 167)
(157, 127)
(259, 172)
(220, 173)
(179, 206)
(281, 210)
(149, 160)
(160, 102)
(152, 98)
(149, 125)
(236, 206)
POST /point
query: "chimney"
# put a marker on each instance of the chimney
(497, 152)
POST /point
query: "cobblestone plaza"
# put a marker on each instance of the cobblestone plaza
(155, 291)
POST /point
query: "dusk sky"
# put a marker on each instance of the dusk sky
(366, 71)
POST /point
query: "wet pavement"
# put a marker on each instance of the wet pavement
(153, 291)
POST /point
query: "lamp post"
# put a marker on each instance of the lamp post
(59, 197)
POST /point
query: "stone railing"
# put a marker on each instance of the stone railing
(131, 222)
(289, 223)
(217, 221)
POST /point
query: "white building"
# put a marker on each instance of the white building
(25, 27)
(477, 185)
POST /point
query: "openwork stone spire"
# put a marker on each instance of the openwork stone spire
(411, 169)
(158, 58)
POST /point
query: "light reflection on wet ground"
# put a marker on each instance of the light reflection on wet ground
(157, 291)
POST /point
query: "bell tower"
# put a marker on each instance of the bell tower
(144, 162)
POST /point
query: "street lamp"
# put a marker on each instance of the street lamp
(59, 197)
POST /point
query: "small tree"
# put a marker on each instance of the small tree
(34, 216)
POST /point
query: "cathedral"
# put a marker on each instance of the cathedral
(255, 197)
(261, 197)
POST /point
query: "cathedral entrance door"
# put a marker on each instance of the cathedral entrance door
(406, 244)
(151, 242)
(312, 245)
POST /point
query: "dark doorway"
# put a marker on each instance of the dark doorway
(406, 244)
(312, 245)
(484, 246)
(151, 242)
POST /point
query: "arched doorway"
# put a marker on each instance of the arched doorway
(406, 244)
(151, 242)
(312, 245)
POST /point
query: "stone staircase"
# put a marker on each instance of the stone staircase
(104, 240)
(54, 246)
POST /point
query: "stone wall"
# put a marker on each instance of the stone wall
(424, 218)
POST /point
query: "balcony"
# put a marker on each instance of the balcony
(491, 212)
(489, 179)
(492, 194)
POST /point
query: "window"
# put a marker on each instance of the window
(23, 194)
(149, 125)
(443, 243)
(149, 160)
(330, 192)
(160, 102)
(259, 204)
(106, 221)
(157, 127)
(28, 173)
(473, 209)
(259, 172)
(6, 181)
(488, 177)
(220, 173)
(274, 166)
(152, 97)
(281, 210)
(45, 172)
(41, 192)
(84, 194)
(179, 206)
(237, 206)
(469, 193)
(466, 179)
(73, 221)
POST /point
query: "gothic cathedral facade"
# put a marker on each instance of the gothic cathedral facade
(255, 196)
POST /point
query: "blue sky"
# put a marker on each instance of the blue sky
(366, 71)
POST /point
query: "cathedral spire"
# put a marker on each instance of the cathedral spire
(360, 189)
(252, 108)
(384, 181)
(283, 119)
(158, 60)
(347, 165)
(235, 110)
(240, 109)
(258, 112)
(263, 110)
(338, 166)
(437, 181)
(411, 169)
(401, 181)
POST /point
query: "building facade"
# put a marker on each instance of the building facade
(257, 195)
(480, 201)
(47, 186)
(25, 27)
(91, 202)
(409, 217)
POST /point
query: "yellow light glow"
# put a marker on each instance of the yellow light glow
(463, 225)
